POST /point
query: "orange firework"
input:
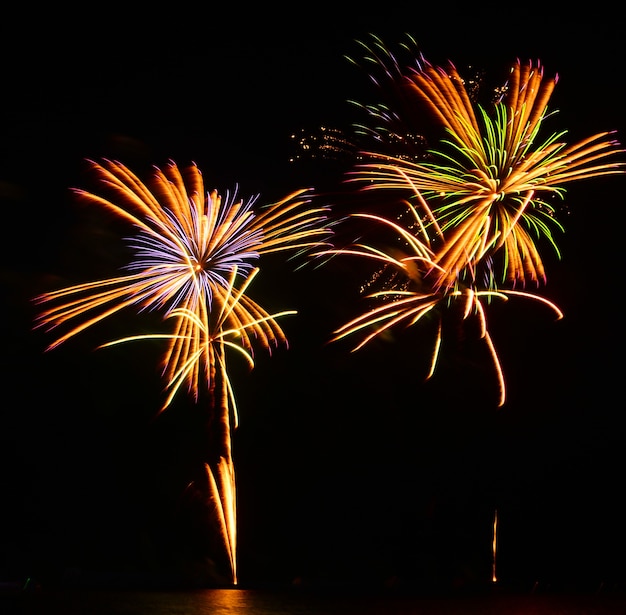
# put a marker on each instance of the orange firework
(408, 295)
(195, 256)
(483, 194)
(205, 344)
(188, 244)
(489, 183)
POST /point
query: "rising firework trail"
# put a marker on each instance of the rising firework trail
(494, 547)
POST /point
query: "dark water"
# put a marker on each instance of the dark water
(261, 602)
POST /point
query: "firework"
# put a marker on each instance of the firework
(389, 124)
(207, 342)
(491, 182)
(494, 547)
(484, 193)
(195, 255)
(406, 294)
(187, 245)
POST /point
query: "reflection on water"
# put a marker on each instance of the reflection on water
(296, 602)
(245, 602)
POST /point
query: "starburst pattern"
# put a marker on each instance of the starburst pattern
(477, 204)
(490, 182)
(187, 245)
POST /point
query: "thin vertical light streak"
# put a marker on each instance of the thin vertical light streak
(494, 544)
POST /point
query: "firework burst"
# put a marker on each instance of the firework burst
(477, 205)
(188, 244)
(196, 254)
(405, 294)
(490, 183)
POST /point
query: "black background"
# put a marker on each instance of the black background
(350, 468)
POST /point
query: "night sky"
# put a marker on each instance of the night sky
(350, 467)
